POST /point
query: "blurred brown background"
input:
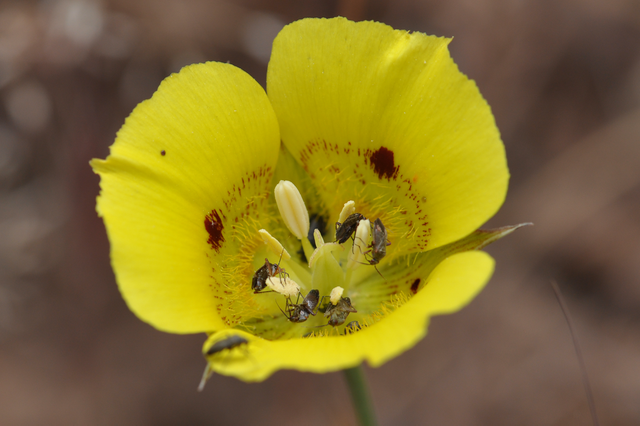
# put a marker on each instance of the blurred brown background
(563, 78)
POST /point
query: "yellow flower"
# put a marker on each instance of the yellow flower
(355, 113)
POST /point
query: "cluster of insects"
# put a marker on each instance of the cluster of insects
(337, 312)
(379, 242)
(377, 248)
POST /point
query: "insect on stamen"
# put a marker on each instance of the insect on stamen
(266, 271)
(345, 229)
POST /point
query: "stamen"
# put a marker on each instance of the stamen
(336, 295)
(317, 237)
(360, 244)
(283, 285)
(348, 209)
(292, 209)
(274, 245)
(323, 250)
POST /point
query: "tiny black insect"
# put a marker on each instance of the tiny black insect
(348, 227)
(230, 342)
(339, 312)
(299, 312)
(379, 243)
(259, 281)
(352, 327)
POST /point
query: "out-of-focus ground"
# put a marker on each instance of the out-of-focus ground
(563, 79)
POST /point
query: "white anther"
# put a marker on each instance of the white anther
(273, 244)
(285, 286)
(292, 208)
(317, 237)
(348, 209)
(360, 244)
(336, 295)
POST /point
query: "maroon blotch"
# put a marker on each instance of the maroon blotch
(383, 163)
(213, 225)
(163, 152)
(415, 285)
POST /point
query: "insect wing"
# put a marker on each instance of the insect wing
(379, 240)
(346, 229)
(258, 283)
(311, 301)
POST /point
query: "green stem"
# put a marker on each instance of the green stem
(360, 396)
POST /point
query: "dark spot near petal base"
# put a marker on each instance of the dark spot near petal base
(383, 163)
(163, 152)
(213, 225)
(316, 221)
(415, 285)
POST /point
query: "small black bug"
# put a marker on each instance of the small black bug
(259, 281)
(348, 227)
(379, 243)
(352, 327)
(339, 312)
(230, 342)
(299, 312)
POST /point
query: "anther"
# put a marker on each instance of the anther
(273, 244)
(348, 209)
(317, 237)
(292, 209)
(360, 244)
(336, 295)
(283, 285)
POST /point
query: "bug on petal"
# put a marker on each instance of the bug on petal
(259, 281)
(379, 243)
(352, 327)
(229, 343)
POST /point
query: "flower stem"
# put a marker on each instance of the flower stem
(360, 396)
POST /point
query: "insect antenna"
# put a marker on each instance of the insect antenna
(576, 345)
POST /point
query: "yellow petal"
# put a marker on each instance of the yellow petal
(385, 118)
(187, 176)
(406, 274)
(451, 285)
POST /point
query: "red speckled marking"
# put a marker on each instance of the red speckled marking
(344, 163)
(383, 163)
(213, 225)
(415, 285)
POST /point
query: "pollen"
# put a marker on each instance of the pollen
(336, 295)
(292, 208)
(283, 285)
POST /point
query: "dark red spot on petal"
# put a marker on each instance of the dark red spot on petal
(415, 285)
(213, 225)
(383, 163)
(163, 152)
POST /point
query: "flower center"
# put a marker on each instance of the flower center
(283, 287)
